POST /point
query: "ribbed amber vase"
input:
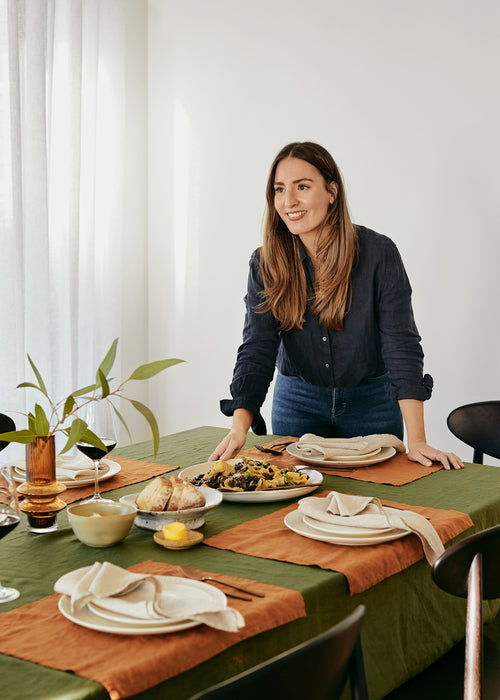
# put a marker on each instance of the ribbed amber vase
(41, 489)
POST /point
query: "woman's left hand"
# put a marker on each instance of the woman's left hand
(425, 454)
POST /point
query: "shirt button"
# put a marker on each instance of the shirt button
(325, 338)
(327, 365)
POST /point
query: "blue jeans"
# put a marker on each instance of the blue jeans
(366, 409)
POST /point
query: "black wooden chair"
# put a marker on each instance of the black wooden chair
(478, 425)
(471, 670)
(315, 670)
(6, 425)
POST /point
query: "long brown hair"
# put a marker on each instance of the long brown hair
(285, 289)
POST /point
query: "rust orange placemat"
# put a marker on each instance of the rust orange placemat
(363, 566)
(126, 665)
(132, 471)
(396, 471)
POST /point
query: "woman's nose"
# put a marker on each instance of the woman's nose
(290, 198)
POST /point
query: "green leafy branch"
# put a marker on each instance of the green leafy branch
(63, 414)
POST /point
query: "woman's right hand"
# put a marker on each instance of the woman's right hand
(236, 438)
(230, 446)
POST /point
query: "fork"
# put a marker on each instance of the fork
(273, 449)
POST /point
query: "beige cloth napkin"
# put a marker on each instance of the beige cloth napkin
(68, 467)
(311, 445)
(142, 596)
(366, 511)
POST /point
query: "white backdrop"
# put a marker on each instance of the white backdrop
(405, 96)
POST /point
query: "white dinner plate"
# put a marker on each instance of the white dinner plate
(361, 461)
(295, 522)
(191, 517)
(171, 585)
(267, 496)
(344, 530)
(113, 469)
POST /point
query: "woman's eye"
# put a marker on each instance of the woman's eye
(279, 190)
(303, 187)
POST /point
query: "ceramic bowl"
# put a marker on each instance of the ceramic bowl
(191, 517)
(101, 524)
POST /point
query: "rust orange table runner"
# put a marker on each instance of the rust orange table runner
(363, 566)
(127, 665)
(396, 471)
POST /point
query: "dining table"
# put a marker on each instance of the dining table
(410, 622)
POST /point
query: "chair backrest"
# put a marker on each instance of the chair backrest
(478, 425)
(317, 669)
(6, 425)
(451, 569)
(471, 569)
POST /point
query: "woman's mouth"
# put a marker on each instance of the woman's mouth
(296, 215)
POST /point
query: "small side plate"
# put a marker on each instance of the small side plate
(193, 537)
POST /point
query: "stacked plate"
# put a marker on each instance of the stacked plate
(350, 535)
(66, 468)
(380, 454)
(97, 618)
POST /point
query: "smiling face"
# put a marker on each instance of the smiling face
(302, 198)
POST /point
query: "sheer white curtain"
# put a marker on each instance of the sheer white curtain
(62, 89)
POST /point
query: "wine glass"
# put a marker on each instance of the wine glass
(99, 418)
(9, 519)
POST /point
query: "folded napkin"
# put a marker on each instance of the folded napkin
(329, 448)
(366, 511)
(142, 596)
(68, 467)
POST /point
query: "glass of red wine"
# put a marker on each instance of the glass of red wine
(9, 519)
(100, 419)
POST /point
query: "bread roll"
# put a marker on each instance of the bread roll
(175, 498)
(155, 495)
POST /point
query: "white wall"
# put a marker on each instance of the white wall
(405, 96)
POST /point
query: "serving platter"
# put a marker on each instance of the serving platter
(265, 496)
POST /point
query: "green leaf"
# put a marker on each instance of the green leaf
(148, 415)
(22, 436)
(109, 360)
(31, 386)
(42, 426)
(75, 434)
(68, 406)
(103, 383)
(31, 422)
(86, 390)
(42, 386)
(152, 368)
(122, 420)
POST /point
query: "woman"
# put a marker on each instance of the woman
(329, 304)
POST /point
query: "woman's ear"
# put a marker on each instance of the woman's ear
(333, 188)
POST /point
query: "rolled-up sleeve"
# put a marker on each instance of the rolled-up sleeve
(256, 356)
(399, 338)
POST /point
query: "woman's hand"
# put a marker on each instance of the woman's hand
(236, 438)
(230, 446)
(425, 454)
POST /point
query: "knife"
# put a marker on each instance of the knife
(189, 572)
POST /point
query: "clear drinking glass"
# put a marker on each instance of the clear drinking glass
(9, 519)
(99, 417)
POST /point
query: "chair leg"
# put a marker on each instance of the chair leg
(478, 456)
(474, 633)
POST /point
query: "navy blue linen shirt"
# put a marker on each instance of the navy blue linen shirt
(379, 335)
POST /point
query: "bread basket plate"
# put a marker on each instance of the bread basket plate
(192, 518)
(265, 496)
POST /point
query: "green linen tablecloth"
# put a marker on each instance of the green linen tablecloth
(409, 621)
